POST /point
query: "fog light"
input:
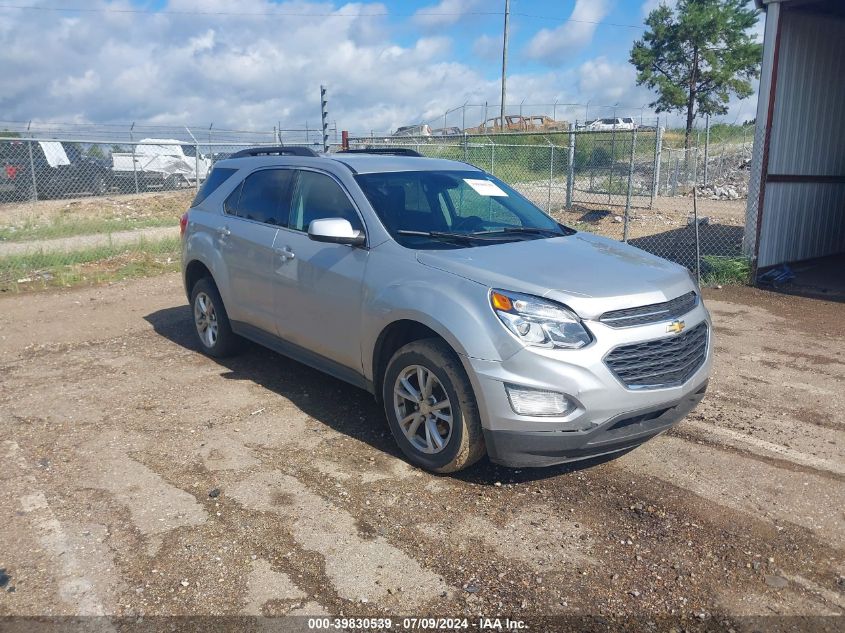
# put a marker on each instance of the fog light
(526, 401)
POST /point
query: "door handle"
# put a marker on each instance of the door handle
(224, 231)
(285, 253)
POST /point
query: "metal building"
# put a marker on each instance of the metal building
(798, 165)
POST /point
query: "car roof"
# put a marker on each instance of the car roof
(377, 163)
(359, 163)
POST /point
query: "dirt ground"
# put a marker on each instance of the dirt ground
(129, 207)
(142, 478)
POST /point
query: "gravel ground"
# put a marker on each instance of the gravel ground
(142, 478)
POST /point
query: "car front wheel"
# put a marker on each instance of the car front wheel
(431, 407)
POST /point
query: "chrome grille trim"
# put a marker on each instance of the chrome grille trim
(664, 362)
(653, 313)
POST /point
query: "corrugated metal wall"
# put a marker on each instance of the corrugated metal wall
(805, 220)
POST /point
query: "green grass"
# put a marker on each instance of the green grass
(717, 270)
(525, 158)
(68, 227)
(92, 265)
(719, 133)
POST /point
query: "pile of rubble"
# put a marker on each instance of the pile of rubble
(726, 191)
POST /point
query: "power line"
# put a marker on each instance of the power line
(293, 14)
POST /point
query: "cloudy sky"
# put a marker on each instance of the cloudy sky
(246, 64)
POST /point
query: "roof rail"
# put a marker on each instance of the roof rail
(292, 150)
(393, 151)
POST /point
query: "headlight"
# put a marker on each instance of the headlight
(536, 321)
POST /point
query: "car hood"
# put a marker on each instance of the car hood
(588, 273)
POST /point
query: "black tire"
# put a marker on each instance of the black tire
(226, 342)
(465, 442)
(172, 182)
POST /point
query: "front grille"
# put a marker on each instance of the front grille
(666, 362)
(653, 313)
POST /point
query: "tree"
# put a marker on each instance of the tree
(697, 55)
(95, 152)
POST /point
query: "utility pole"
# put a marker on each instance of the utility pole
(324, 115)
(706, 148)
(505, 61)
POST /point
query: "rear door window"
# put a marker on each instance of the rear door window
(263, 197)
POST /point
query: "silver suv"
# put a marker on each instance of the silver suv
(480, 324)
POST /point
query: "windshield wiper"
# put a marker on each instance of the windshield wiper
(443, 235)
(536, 230)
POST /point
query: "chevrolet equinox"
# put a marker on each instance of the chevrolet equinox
(480, 324)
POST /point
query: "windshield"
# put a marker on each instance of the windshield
(452, 209)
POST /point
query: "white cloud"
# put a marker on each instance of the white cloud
(71, 87)
(611, 87)
(551, 45)
(248, 72)
(487, 47)
(444, 13)
(604, 81)
(650, 5)
(239, 71)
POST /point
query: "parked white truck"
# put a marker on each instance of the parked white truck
(160, 164)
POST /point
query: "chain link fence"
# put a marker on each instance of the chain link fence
(635, 185)
(77, 211)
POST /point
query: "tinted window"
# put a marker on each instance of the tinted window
(217, 177)
(318, 197)
(231, 204)
(264, 197)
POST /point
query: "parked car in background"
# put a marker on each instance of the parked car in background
(481, 324)
(519, 123)
(447, 131)
(422, 129)
(614, 123)
(160, 164)
(61, 169)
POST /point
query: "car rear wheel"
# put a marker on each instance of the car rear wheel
(211, 323)
(431, 408)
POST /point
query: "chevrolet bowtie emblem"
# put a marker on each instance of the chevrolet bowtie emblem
(676, 326)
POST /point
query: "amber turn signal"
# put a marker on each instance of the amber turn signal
(500, 301)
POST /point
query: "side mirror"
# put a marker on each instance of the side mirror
(335, 231)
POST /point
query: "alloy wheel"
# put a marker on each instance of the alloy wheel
(206, 319)
(423, 409)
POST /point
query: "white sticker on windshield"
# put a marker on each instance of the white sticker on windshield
(485, 187)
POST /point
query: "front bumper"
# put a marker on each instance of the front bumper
(609, 416)
(626, 431)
